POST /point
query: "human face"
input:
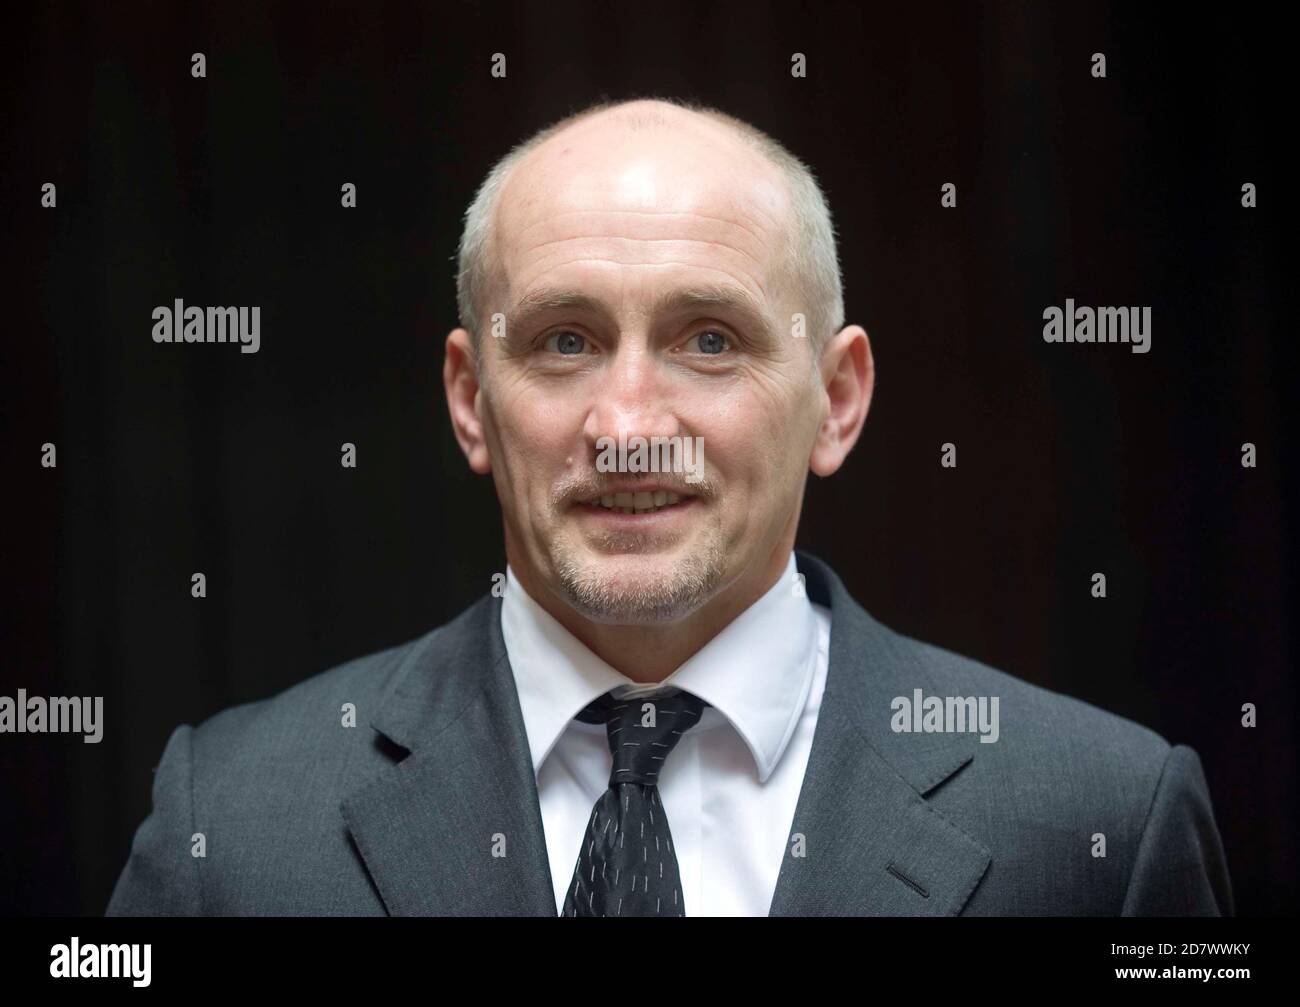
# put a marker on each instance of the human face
(644, 282)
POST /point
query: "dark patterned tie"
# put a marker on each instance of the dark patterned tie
(627, 865)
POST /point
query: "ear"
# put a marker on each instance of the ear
(460, 379)
(848, 374)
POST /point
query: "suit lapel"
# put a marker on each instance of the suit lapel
(430, 828)
(871, 843)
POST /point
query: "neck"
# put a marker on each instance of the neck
(650, 653)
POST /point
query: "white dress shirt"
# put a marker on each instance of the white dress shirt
(730, 786)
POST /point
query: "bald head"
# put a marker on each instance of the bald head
(666, 161)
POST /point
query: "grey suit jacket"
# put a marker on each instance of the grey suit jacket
(406, 812)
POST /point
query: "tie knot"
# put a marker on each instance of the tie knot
(642, 729)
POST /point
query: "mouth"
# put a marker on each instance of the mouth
(650, 501)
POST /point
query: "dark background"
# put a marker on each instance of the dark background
(1071, 458)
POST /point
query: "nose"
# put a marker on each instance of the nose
(634, 398)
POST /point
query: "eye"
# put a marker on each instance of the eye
(711, 341)
(566, 342)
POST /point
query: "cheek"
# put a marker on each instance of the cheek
(535, 432)
(751, 433)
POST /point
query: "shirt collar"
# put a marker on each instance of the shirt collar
(756, 672)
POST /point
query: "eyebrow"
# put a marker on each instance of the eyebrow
(719, 297)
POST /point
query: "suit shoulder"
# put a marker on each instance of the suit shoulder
(1036, 721)
(306, 710)
(1059, 769)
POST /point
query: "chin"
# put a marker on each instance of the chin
(639, 588)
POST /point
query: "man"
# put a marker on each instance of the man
(667, 711)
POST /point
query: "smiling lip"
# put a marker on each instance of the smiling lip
(612, 515)
(641, 501)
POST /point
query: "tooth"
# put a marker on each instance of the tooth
(623, 500)
(627, 510)
(643, 500)
(661, 498)
(607, 500)
(673, 497)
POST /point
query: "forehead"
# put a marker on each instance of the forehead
(601, 201)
